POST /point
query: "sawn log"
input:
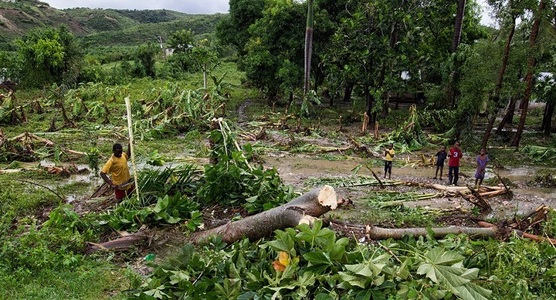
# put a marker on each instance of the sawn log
(302, 209)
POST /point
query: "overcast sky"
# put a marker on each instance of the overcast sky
(185, 6)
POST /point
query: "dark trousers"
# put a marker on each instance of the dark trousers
(455, 172)
(387, 167)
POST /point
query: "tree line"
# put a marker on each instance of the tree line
(369, 49)
(342, 51)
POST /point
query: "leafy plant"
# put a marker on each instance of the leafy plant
(310, 262)
(155, 159)
(93, 159)
(233, 181)
(173, 209)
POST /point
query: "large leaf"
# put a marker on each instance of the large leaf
(439, 256)
(472, 291)
(316, 235)
(318, 258)
(445, 268)
(353, 280)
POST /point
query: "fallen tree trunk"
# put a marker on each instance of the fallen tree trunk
(302, 209)
(487, 230)
(378, 233)
(124, 242)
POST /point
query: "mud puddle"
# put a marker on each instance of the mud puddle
(301, 171)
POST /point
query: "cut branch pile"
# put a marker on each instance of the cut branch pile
(23, 147)
(476, 197)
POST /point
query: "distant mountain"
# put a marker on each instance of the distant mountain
(98, 27)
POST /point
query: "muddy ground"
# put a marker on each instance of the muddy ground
(297, 170)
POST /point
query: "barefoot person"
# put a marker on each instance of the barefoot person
(482, 160)
(453, 164)
(388, 158)
(116, 166)
(440, 158)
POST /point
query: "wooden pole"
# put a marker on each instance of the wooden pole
(130, 130)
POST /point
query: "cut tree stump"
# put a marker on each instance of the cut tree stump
(303, 209)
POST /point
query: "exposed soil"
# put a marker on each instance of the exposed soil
(304, 171)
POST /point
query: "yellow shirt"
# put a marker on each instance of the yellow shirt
(389, 154)
(117, 168)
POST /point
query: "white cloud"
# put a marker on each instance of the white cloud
(486, 19)
(185, 6)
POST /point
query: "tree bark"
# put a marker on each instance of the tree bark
(378, 233)
(348, 91)
(308, 46)
(498, 87)
(452, 89)
(531, 62)
(508, 116)
(547, 117)
(458, 25)
(303, 209)
(124, 242)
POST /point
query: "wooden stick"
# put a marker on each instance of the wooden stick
(376, 177)
(508, 194)
(63, 199)
(130, 130)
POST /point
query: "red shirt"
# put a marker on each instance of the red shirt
(455, 154)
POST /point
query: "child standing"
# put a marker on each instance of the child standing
(482, 160)
(388, 157)
(454, 155)
(440, 158)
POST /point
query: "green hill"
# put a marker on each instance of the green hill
(98, 27)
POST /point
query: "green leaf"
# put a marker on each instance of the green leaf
(323, 296)
(307, 279)
(317, 258)
(439, 256)
(353, 280)
(252, 199)
(178, 276)
(472, 291)
(360, 269)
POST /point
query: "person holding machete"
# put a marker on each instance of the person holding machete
(116, 166)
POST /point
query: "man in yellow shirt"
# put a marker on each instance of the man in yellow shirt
(388, 157)
(116, 166)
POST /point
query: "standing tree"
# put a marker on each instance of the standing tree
(144, 58)
(452, 91)
(531, 62)
(275, 50)
(181, 42)
(547, 92)
(234, 28)
(204, 58)
(508, 13)
(49, 56)
(308, 46)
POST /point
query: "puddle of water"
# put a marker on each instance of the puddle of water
(295, 169)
